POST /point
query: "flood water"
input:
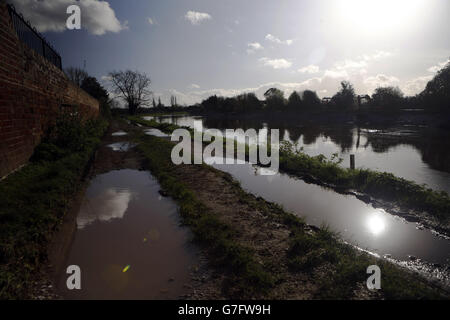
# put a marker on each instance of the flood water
(401, 150)
(356, 222)
(121, 146)
(129, 244)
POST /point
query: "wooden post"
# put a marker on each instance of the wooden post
(352, 161)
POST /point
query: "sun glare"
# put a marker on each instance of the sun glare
(378, 15)
(376, 224)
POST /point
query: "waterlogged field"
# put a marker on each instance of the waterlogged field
(356, 222)
(397, 150)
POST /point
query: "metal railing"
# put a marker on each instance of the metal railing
(32, 38)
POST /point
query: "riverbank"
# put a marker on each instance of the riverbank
(401, 197)
(34, 200)
(274, 253)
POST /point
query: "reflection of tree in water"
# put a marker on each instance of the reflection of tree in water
(244, 124)
(342, 136)
(432, 144)
(294, 134)
(437, 155)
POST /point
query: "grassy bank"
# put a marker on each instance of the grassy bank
(34, 199)
(379, 185)
(337, 270)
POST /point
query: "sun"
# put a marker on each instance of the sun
(376, 224)
(376, 16)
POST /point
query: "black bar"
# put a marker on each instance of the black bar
(28, 35)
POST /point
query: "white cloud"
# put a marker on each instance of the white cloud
(253, 47)
(272, 38)
(106, 78)
(350, 64)
(97, 16)
(194, 86)
(416, 85)
(377, 55)
(348, 68)
(197, 17)
(309, 69)
(276, 63)
(381, 80)
(336, 73)
(438, 67)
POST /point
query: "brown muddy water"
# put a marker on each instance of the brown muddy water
(129, 243)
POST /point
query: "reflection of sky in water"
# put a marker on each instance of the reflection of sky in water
(156, 133)
(355, 221)
(110, 204)
(121, 146)
(129, 241)
(119, 134)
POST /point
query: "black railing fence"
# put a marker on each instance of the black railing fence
(32, 38)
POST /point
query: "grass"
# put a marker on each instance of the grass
(343, 267)
(34, 199)
(346, 269)
(379, 185)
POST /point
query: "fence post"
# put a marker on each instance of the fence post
(352, 161)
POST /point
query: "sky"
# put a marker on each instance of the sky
(197, 48)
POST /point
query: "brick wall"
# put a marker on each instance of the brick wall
(32, 91)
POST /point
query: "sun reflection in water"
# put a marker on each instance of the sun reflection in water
(376, 224)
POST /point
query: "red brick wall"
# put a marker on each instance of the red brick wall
(32, 91)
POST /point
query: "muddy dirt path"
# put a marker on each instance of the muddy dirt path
(202, 282)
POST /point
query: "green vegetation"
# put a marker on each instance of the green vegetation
(322, 250)
(337, 268)
(34, 199)
(380, 185)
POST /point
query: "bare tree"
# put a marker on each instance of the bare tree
(76, 75)
(132, 87)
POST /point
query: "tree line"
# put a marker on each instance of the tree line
(133, 88)
(436, 95)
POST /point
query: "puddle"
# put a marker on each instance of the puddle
(129, 243)
(156, 133)
(119, 134)
(358, 223)
(121, 146)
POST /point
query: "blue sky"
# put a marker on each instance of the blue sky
(195, 48)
